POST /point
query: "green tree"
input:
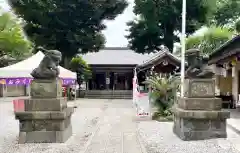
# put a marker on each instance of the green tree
(70, 26)
(237, 26)
(226, 12)
(159, 20)
(82, 69)
(13, 43)
(213, 38)
(209, 40)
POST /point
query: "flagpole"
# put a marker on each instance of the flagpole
(183, 46)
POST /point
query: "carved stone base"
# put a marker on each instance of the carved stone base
(46, 88)
(200, 103)
(199, 88)
(45, 136)
(195, 129)
(50, 104)
(46, 118)
(44, 126)
(200, 125)
(198, 115)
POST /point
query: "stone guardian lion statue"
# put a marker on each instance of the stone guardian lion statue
(48, 67)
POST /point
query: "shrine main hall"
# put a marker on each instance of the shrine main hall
(113, 69)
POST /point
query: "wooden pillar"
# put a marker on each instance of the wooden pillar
(235, 85)
(115, 80)
(125, 82)
(107, 80)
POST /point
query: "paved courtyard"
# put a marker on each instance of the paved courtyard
(109, 126)
(99, 126)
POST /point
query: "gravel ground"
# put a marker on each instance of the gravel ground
(109, 127)
(158, 137)
(84, 121)
(99, 126)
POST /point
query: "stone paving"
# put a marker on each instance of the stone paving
(159, 138)
(109, 126)
(98, 126)
(84, 123)
(117, 131)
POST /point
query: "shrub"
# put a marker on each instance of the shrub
(163, 92)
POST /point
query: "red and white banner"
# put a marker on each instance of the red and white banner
(140, 100)
(143, 107)
(135, 88)
(18, 105)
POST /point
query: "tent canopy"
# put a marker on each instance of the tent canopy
(24, 68)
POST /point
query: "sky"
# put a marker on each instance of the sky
(116, 30)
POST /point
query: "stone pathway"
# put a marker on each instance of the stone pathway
(116, 132)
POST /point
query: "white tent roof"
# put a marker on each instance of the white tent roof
(25, 67)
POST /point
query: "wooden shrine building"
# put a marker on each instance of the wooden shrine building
(226, 63)
(113, 69)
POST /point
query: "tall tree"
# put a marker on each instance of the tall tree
(159, 20)
(237, 26)
(82, 69)
(226, 12)
(209, 40)
(13, 43)
(71, 26)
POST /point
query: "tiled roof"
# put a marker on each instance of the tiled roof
(115, 56)
(223, 46)
(158, 56)
(224, 51)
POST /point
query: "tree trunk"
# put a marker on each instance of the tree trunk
(66, 62)
(169, 39)
(170, 45)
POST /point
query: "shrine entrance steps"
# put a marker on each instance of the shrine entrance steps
(109, 94)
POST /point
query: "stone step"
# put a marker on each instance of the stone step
(107, 97)
(104, 96)
(108, 94)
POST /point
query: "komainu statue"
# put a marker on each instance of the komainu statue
(48, 67)
(197, 67)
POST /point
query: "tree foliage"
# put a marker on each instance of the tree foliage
(70, 26)
(237, 26)
(210, 40)
(13, 42)
(159, 20)
(226, 12)
(82, 69)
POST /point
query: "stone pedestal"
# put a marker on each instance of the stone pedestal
(198, 115)
(46, 118)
